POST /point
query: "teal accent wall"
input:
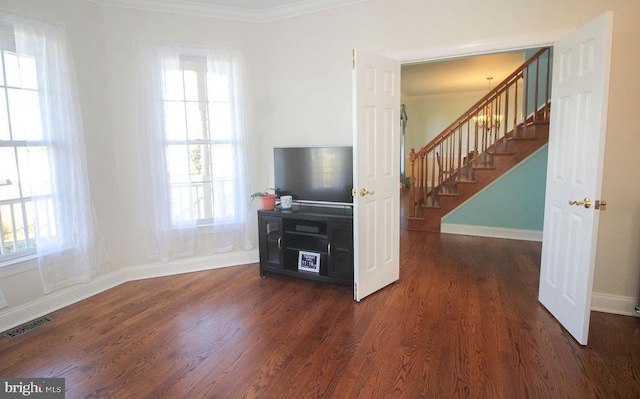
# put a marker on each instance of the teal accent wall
(515, 201)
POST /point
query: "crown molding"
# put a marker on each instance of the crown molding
(188, 7)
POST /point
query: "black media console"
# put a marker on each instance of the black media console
(311, 242)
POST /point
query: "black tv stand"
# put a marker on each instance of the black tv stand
(324, 233)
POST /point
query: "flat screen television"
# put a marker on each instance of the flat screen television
(322, 175)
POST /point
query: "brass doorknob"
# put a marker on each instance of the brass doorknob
(364, 192)
(586, 202)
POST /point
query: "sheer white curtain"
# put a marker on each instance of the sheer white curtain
(172, 228)
(69, 247)
(234, 228)
(163, 238)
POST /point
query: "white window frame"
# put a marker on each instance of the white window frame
(18, 216)
(201, 192)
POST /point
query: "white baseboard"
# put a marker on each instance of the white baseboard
(615, 304)
(180, 266)
(12, 317)
(493, 232)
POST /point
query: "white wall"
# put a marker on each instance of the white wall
(300, 93)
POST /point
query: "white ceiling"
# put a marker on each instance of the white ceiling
(458, 76)
(238, 10)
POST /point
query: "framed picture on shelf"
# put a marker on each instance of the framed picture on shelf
(309, 261)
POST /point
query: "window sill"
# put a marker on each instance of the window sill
(210, 227)
(205, 228)
(18, 265)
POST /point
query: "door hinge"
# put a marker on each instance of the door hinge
(353, 192)
(355, 291)
(353, 59)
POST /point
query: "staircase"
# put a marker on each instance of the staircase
(498, 132)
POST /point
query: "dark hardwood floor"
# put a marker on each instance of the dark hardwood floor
(462, 321)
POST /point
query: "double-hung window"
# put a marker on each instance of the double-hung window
(45, 202)
(23, 154)
(193, 159)
(200, 141)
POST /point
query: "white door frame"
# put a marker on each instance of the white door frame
(473, 49)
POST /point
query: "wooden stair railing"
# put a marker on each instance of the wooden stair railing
(507, 112)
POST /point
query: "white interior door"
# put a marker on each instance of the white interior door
(376, 96)
(576, 153)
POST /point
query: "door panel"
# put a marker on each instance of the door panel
(376, 96)
(576, 155)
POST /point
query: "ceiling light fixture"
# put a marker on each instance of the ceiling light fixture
(485, 117)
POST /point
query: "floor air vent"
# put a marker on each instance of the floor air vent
(26, 327)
